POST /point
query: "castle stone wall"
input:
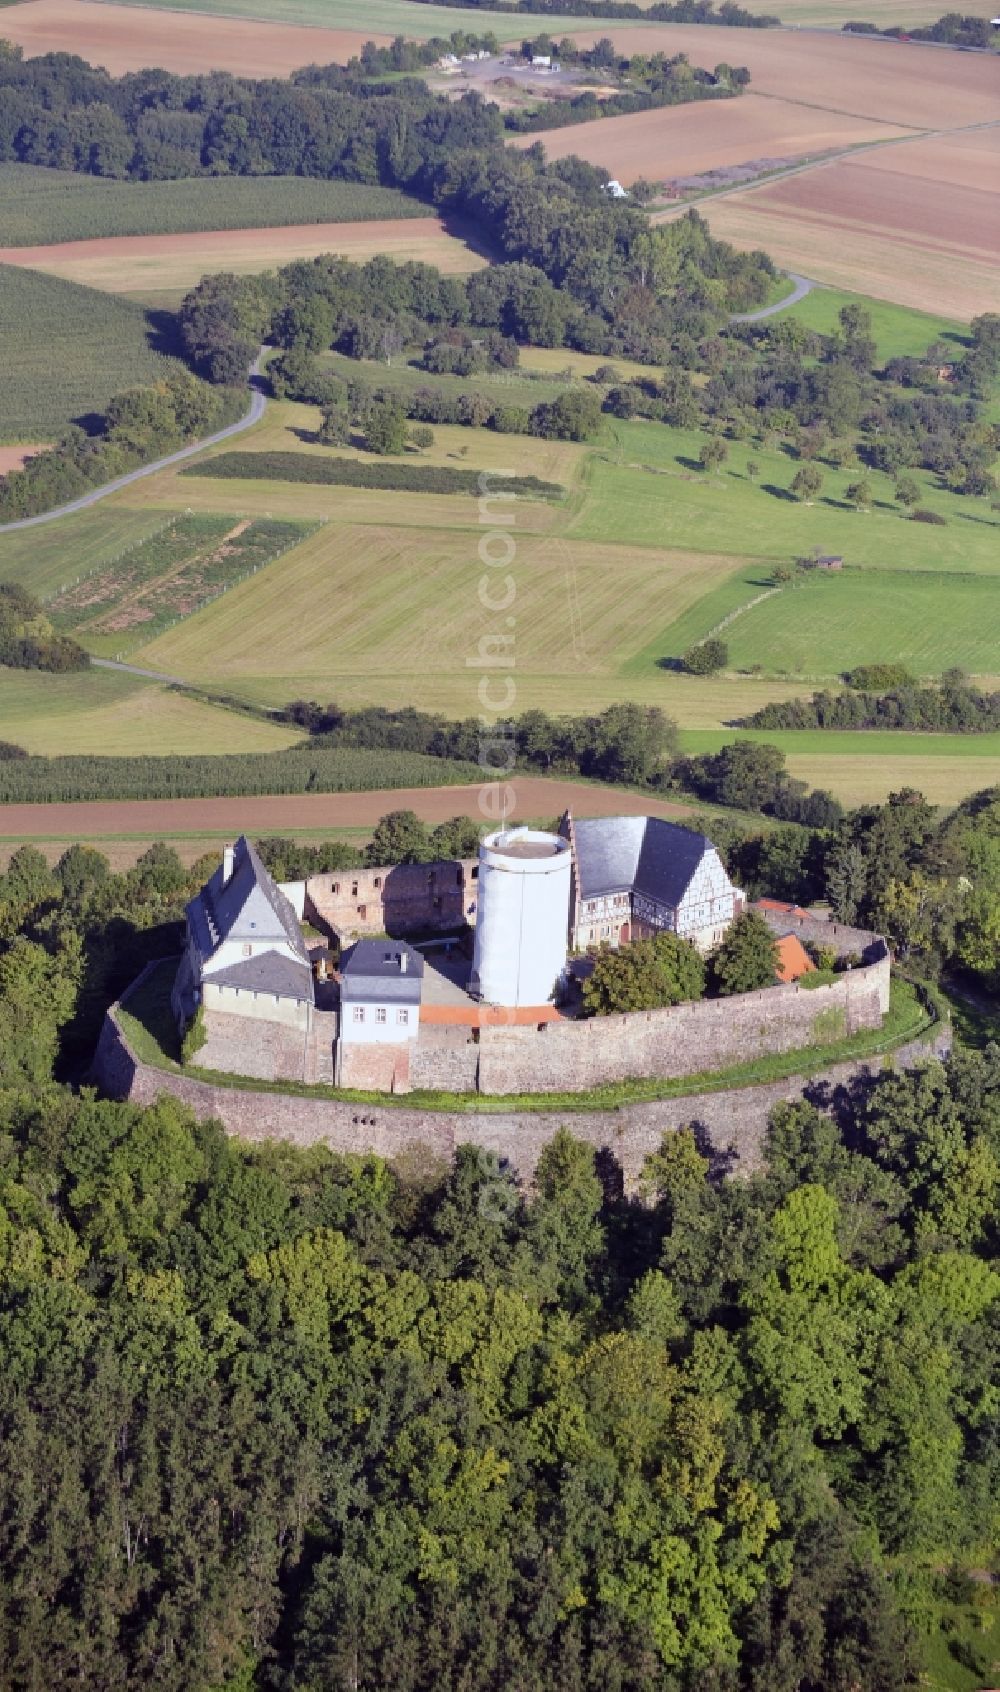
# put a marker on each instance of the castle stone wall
(685, 1039)
(731, 1122)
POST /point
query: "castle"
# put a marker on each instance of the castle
(459, 975)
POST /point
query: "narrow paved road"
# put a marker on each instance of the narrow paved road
(258, 404)
(803, 286)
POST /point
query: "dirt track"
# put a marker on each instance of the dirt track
(152, 819)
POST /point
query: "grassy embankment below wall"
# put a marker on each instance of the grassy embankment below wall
(149, 1027)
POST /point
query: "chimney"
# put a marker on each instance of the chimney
(228, 864)
(402, 963)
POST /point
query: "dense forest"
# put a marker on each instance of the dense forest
(282, 1419)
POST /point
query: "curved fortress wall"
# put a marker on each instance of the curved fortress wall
(522, 917)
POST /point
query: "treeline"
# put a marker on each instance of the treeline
(29, 642)
(285, 1416)
(728, 13)
(327, 122)
(138, 425)
(309, 769)
(956, 29)
(400, 837)
(376, 309)
(352, 473)
(954, 707)
(624, 743)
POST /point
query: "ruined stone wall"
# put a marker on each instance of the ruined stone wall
(395, 899)
(732, 1123)
(847, 942)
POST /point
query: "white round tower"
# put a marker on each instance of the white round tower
(522, 916)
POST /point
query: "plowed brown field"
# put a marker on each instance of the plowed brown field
(138, 821)
(683, 140)
(13, 457)
(123, 38)
(918, 223)
(126, 264)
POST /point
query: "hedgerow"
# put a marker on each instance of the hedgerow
(357, 473)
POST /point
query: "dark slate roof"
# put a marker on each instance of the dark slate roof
(617, 854)
(249, 906)
(371, 970)
(269, 972)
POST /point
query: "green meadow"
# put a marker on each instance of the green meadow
(898, 331)
(646, 487)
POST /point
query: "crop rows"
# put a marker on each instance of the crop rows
(66, 350)
(38, 205)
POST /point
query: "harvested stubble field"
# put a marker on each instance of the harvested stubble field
(684, 140)
(158, 265)
(73, 348)
(39, 206)
(888, 81)
(260, 38)
(918, 222)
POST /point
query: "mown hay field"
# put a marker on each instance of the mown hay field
(829, 623)
(110, 713)
(685, 140)
(394, 614)
(157, 266)
(66, 350)
(38, 206)
(55, 555)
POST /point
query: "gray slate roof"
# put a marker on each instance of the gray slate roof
(249, 906)
(371, 970)
(269, 972)
(618, 854)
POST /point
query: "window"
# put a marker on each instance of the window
(335, 887)
(402, 1017)
(380, 1013)
(377, 882)
(359, 1013)
(354, 890)
(248, 951)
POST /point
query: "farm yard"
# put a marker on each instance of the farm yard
(73, 349)
(39, 206)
